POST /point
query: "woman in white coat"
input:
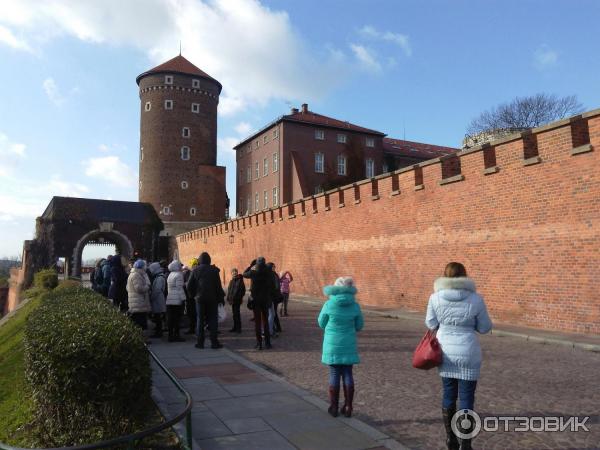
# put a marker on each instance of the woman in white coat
(458, 313)
(138, 287)
(175, 300)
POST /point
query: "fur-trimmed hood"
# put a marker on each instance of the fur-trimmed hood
(340, 295)
(454, 289)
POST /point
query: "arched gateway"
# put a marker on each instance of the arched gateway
(69, 224)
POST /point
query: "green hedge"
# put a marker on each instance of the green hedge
(45, 279)
(87, 369)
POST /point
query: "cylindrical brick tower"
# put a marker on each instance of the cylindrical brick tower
(178, 146)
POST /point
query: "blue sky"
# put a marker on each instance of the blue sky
(69, 109)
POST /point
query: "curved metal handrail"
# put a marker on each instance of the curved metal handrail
(132, 438)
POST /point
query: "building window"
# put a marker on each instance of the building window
(319, 189)
(256, 170)
(341, 138)
(341, 165)
(275, 197)
(385, 168)
(166, 210)
(192, 211)
(141, 154)
(184, 185)
(320, 135)
(148, 106)
(168, 79)
(185, 153)
(248, 205)
(196, 108)
(248, 174)
(249, 147)
(256, 143)
(370, 142)
(185, 132)
(168, 104)
(265, 199)
(265, 167)
(369, 168)
(256, 202)
(319, 162)
(140, 184)
(275, 133)
(275, 162)
(265, 138)
(195, 84)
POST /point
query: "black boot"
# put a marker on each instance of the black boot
(200, 342)
(268, 341)
(258, 345)
(348, 399)
(465, 444)
(334, 400)
(451, 439)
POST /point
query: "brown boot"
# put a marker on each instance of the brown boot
(348, 399)
(334, 400)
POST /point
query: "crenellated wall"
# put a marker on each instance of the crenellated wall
(522, 214)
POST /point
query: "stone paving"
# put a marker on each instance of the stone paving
(519, 377)
(238, 405)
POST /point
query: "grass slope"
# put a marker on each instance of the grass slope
(15, 406)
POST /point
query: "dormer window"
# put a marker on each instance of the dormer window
(185, 132)
(168, 104)
(168, 79)
(196, 84)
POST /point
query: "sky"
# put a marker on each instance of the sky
(420, 70)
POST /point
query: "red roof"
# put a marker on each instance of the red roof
(399, 147)
(177, 65)
(318, 119)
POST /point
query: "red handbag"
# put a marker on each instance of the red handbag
(428, 353)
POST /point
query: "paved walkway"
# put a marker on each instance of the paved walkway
(239, 405)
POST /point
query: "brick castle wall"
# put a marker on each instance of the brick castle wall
(523, 215)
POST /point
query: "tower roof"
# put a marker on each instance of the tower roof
(177, 65)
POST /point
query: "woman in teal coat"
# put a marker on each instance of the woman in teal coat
(341, 318)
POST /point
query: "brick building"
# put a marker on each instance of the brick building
(304, 153)
(178, 146)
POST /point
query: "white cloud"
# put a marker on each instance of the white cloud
(104, 148)
(225, 145)
(112, 170)
(366, 58)
(8, 38)
(11, 154)
(243, 128)
(254, 51)
(53, 92)
(545, 57)
(401, 40)
(57, 186)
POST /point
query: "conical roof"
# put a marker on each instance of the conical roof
(177, 65)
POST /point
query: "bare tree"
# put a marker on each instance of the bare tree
(526, 112)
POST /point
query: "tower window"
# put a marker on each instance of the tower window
(192, 211)
(319, 162)
(195, 84)
(185, 132)
(184, 185)
(320, 135)
(196, 108)
(141, 154)
(148, 106)
(185, 153)
(370, 142)
(168, 79)
(140, 185)
(168, 104)
(166, 210)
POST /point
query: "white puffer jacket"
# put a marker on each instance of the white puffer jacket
(175, 283)
(138, 286)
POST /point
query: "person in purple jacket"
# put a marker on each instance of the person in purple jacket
(284, 283)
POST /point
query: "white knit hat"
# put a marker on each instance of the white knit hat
(344, 281)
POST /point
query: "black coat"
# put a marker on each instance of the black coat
(204, 284)
(118, 280)
(236, 290)
(262, 284)
(277, 297)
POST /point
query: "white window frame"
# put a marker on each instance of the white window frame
(193, 211)
(186, 134)
(168, 79)
(256, 202)
(370, 142)
(320, 135)
(248, 204)
(319, 162)
(148, 106)
(265, 167)
(265, 199)
(256, 170)
(168, 104)
(185, 153)
(248, 174)
(196, 108)
(184, 184)
(342, 165)
(195, 83)
(275, 162)
(257, 143)
(369, 168)
(275, 196)
(265, 138)
(141, 154)
(275, 133)
(166, 211)
(342, 138)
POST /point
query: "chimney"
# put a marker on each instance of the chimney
(304, 108)
(294, 110)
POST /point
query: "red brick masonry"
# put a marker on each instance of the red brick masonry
(523, 215)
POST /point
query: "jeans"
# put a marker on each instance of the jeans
(337, 371)
(463, 389)
(271, 319)
(286, 297)
(207, 313)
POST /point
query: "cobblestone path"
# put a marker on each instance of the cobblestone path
(518, 378)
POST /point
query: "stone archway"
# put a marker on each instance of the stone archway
(103, 234)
